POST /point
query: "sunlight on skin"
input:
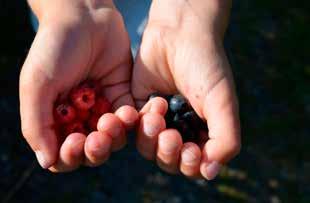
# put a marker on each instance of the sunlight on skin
(194, 63)
(90, 41)
(68, 49)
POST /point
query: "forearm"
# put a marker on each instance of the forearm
(212, 15)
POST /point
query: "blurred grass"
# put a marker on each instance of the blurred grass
(268, 47)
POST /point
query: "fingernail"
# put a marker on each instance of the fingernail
(99, 150)
(153, 109)
(150, 130)
(77, 148)
(188, 157)
(211, 170)
(41, 159)
(98, 147)
(167, 147)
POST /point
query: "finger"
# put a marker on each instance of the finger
(155, 105)
(116, 82)
(123, 100)
(119, 95)
(36, 112)
(112, 125)
(118, 75)
(50, 55)
(97, 148)
(190, 160)
(71, 153)
(168, 150)
(151, 124)
(224, 129)
(128, 115)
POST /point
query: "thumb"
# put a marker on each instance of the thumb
(37, 96)
(36, 106)
(219, 107)
(221, 110)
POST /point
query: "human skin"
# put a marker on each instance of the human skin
(182, 52)
(76, 40)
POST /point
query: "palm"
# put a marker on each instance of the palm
(170, 63)
(98, 51)
(152, 73)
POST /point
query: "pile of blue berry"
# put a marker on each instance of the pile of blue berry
(181, 116)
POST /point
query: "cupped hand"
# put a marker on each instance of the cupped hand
(182, 52)
(76, 41)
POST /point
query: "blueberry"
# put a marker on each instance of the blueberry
(169, 119)
(177, 122)
(168, 97)
(178, 104)
(177, 117)
(181, 116)
(155, 94)
(190, 116)
(194, 120)
(184, 128)
(188, 134)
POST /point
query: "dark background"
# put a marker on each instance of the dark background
(268, 46)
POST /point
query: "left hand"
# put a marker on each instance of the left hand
(182, 51)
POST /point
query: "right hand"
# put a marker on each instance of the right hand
(76, 40)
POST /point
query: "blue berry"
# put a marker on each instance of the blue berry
(178, 104)
(181, 116)
(155, 94)
(188, 134)
(194, 120)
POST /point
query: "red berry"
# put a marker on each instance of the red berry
(101, 106)
(83, 97)
(75, 127)
(82, 115)
(64, 113)
(92, 84)
(93, 121)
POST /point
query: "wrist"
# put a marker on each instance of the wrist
(66, 10)
(211, 16)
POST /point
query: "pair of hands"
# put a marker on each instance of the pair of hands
(181, 51)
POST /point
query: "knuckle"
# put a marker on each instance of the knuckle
(96, 154)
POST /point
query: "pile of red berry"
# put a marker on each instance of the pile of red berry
(81, 110)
